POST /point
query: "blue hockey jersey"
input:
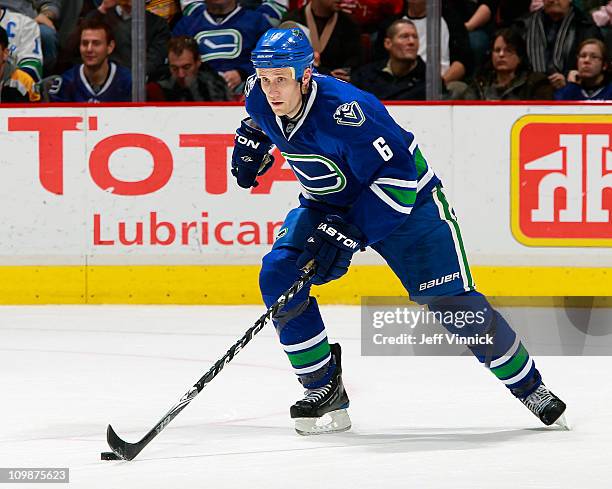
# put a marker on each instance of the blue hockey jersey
(226, 45)
(73, 86)
(347, 151)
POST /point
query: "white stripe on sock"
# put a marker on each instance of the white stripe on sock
(306, 344)
(508, 355)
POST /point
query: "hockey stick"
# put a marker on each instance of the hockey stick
(128, 451)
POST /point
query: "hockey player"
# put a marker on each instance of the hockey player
(97, 79)
(365, 182)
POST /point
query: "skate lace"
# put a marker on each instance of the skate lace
(315, 395)
(538, 400)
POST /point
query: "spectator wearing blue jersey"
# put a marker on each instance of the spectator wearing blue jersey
(97, 79)
(226, 34)
(402, 75)
(591, 81)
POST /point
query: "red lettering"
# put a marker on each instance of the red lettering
(162, 164)
(215, 158)
(162, 224)
(254, 232)
(185, 227)
(137, 239)
(50, 146)
(275, 174)
(218, 228)
(204, 228)
(97, 232)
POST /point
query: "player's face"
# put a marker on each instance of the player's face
(281, 89)
(590, 61)
(94, 47)
(504, 56)
(184, 67)
(404, 45)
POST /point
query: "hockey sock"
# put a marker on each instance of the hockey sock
(506, 357)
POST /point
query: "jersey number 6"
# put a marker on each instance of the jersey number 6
(383, 148)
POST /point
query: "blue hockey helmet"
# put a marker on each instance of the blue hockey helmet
(284, 48)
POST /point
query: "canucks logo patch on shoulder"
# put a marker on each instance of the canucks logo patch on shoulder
(349, 114)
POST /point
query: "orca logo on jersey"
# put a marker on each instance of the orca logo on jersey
(349, 114)
(317, 174)
(219, 44)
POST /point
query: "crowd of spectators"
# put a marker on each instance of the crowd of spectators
(81, 50)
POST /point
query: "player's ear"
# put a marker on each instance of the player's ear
(306, 79)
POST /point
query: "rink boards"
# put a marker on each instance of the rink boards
(105, 204)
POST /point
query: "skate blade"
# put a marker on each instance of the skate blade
(562, 422)
(332, 422)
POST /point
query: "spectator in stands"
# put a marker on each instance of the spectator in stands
(226, 34)
(333, 34)
(402, 75)
(46, 13)
(24, 42)
(97, 79)
(478, 16)
(508, 76)
(553, 34)
(189, 79)
(591, 81)
(16, 86)
(455, 53)
(118, 14)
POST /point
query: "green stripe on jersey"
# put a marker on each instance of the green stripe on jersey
(403, 196)
(513, 366)
(421, 163)
(318, 353)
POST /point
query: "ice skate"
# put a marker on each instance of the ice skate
(546, 406)
(323, 410)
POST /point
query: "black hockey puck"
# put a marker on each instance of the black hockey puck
(109, 456)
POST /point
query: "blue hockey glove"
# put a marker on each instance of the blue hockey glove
(250, 157)
(331, 245)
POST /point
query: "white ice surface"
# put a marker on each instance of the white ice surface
(418, 422)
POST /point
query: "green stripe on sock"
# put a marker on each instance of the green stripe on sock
(310, 356)
(450, 217)
(403, 196)
(511, 368)
(421, 164)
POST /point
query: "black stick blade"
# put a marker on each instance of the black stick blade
(123, 449)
